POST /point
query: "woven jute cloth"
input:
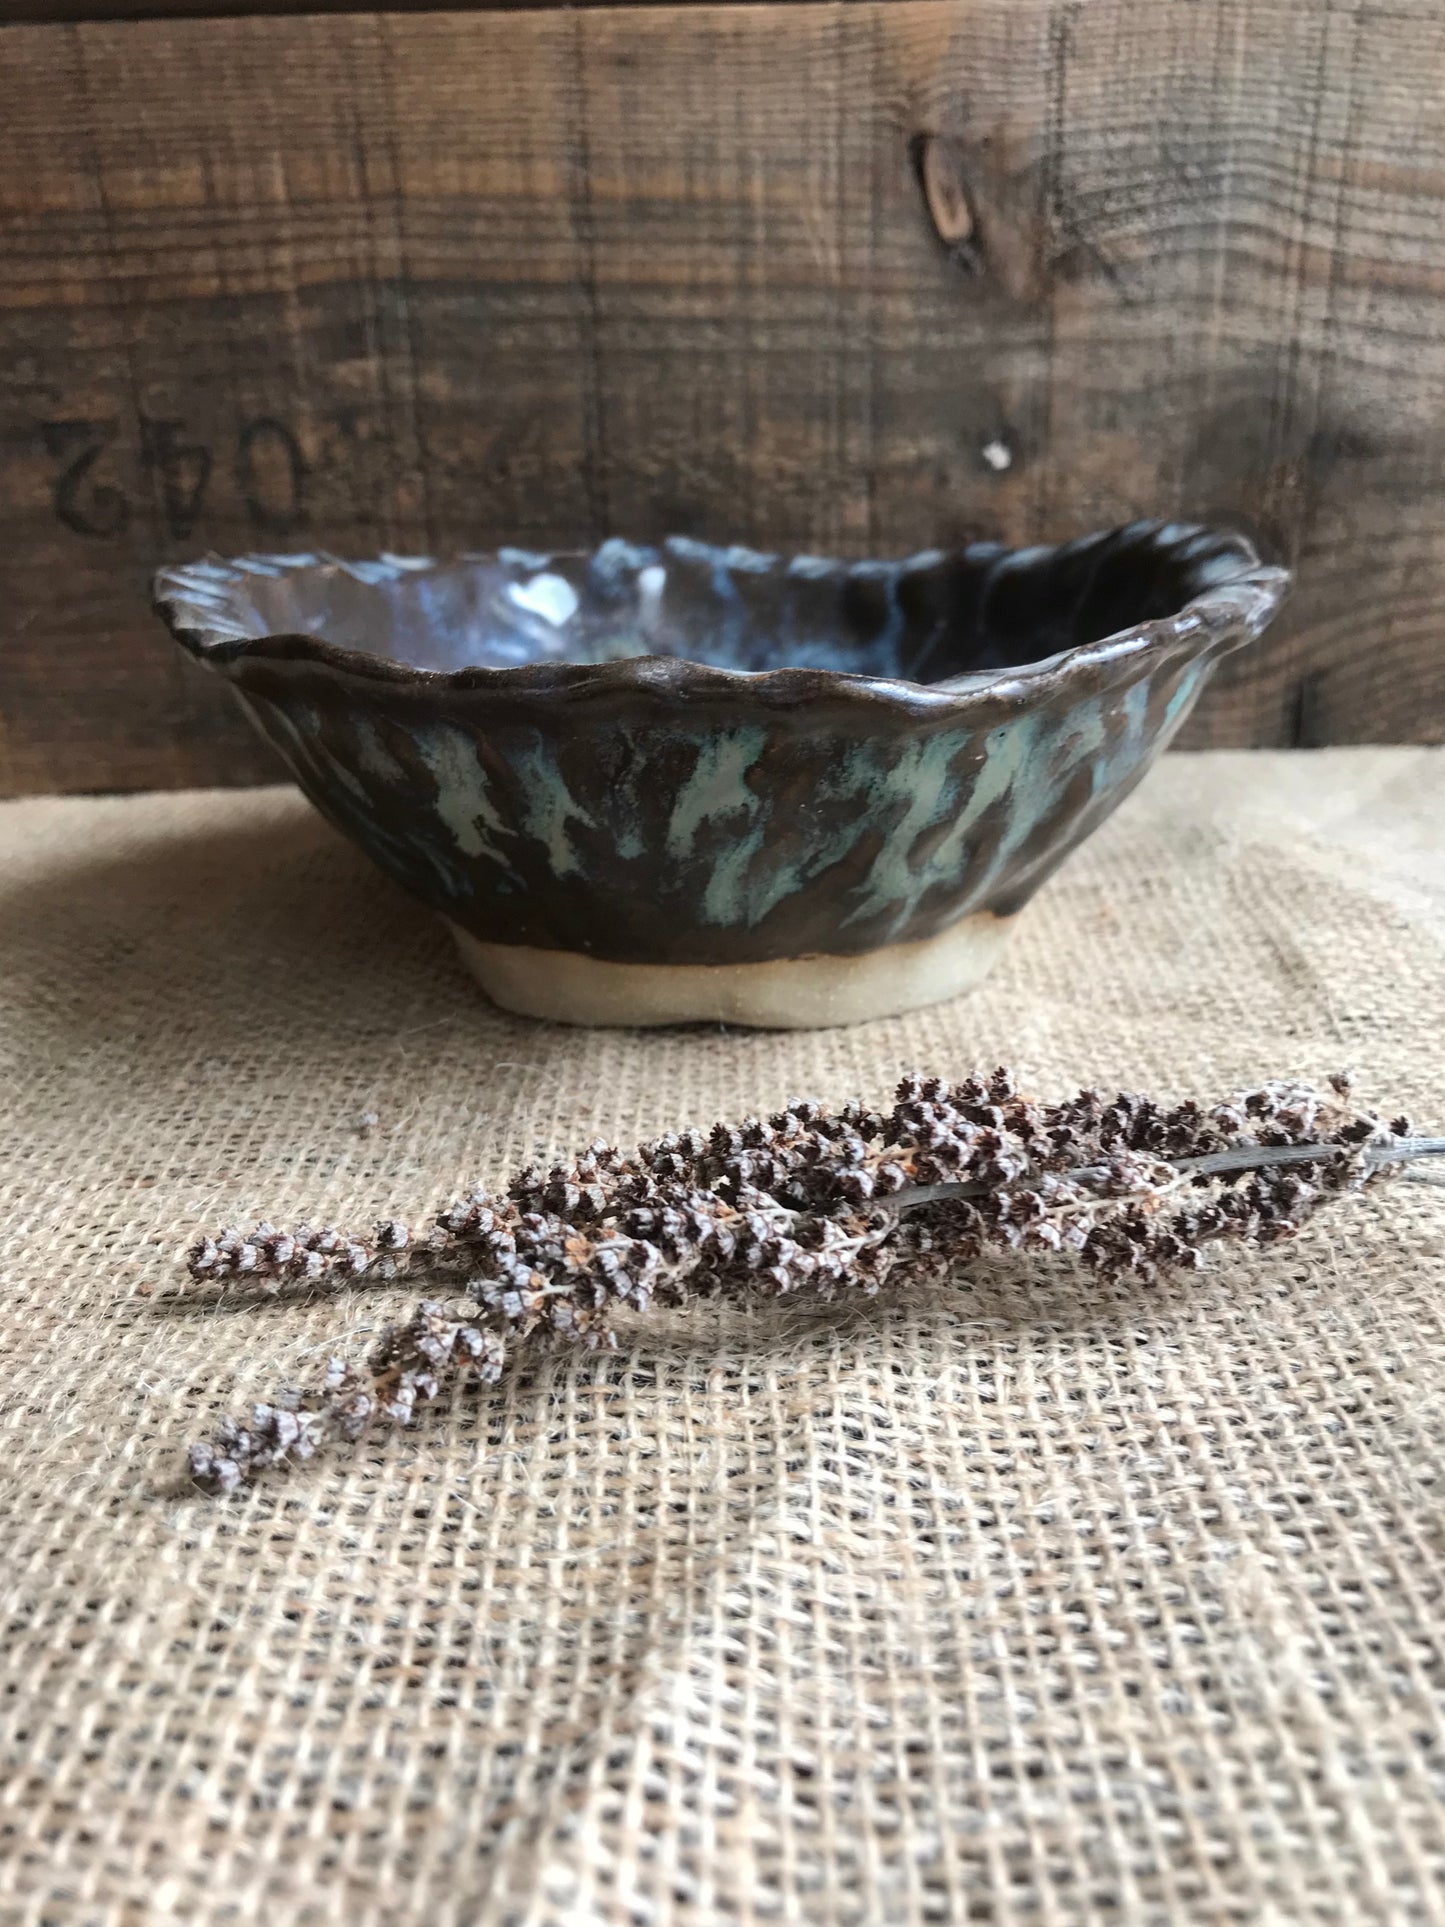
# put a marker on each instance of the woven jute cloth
(1026, 1599)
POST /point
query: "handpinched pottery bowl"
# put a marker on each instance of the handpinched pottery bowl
(650, 785)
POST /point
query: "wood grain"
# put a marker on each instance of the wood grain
(46, 12)
(419, 281)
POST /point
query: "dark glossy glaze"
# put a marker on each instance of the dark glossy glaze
(814, 757)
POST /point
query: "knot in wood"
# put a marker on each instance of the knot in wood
(945, 190)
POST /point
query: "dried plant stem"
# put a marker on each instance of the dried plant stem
(813, 1200)
(1377, 1157)
(1248, 1157)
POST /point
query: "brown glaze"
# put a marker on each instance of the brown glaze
(481, 728)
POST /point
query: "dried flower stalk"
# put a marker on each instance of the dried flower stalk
(811, 1199)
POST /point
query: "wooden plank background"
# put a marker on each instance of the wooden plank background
(416, 281)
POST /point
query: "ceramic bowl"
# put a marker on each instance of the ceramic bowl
(672, 783)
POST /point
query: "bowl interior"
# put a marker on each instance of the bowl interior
(927, 619)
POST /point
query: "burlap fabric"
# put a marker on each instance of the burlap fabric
(1028, 1600)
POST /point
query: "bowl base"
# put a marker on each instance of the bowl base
(792, 993)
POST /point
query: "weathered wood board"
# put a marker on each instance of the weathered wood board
(418, 281)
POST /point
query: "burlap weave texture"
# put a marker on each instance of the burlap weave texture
(1027, 1600)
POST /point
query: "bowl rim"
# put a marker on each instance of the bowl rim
(1225, 615)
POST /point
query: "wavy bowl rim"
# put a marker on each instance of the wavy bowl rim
(1225, 615)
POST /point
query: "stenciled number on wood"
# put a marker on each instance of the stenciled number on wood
(268, 467)
(83, 504)
(182, 469)
(266, 454)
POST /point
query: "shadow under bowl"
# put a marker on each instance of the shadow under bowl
(676, 783)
